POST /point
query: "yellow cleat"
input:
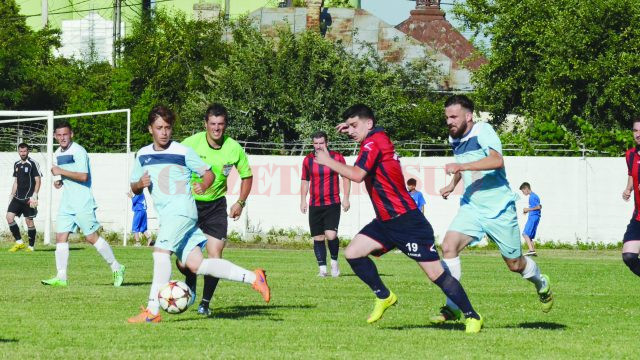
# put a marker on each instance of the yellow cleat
(17, 247)
(381, 306)
(473, 326)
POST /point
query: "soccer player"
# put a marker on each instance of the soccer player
(631, 239)
(324, 203)
(139, 222)
(24, 197)
(487, 205)
(398, 222)
(415, 194)
(165, 167)
(221, 153)
(77, 207)
(533, 219)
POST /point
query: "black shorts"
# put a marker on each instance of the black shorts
(323, 218)
(633, 231)
(21, 207)
(212, 217)
(411, 233)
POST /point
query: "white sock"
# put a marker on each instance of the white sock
(323, 268)
(19, 242)
(62, 259)
(107, 254)
(532, 273)
(455, 268)
(225, 269)
(161, 276)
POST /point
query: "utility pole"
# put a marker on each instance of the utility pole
(116, 31)
(45, 13)
(227, 7)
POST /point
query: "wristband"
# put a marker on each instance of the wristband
(242, 203)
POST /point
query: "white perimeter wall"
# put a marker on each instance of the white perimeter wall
(581, 198)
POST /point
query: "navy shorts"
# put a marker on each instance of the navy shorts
(633, 231)
(411, 233)
(322, 218)
(139, 223)
(212, 217)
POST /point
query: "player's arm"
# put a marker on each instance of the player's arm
(447, 190)
(14, 188)
(304, 190)
(491, 162)
(346, 186)
(143, 182)
(626, 194)
(245, 190)
(207, 179)
(73, 175)
(352, 173)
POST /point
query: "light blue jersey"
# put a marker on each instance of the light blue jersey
(170, 171)
(487, 191)
(76, 196)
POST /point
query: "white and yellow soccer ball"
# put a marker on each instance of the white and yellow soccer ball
(174, 297)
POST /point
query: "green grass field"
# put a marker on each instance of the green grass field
(314, 318)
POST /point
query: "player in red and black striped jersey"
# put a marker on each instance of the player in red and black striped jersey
(324, 203)
(398, 223)
(631, 239)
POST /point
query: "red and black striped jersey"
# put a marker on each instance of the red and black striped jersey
(633, 169)
(324, 185)
(384, 179)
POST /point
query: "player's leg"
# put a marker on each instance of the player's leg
(89, 225)
(631, 246)
(529, 233)
(13, 227)
(316, 226)
(214, 246)
(161, 276)
(64, 227)
(331, 222)
(31, 232)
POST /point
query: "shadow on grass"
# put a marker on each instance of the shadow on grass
(130, 283)
(351, 275)
(8, 340)
(538, 325)
(54, 249)
(446, 326)
(242, 311)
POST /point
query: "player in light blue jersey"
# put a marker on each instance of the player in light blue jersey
(165, 168)
(487, 206)
(77, 207)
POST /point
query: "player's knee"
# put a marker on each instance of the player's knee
(515, 265)
(631, 260)
(351, 253)
(10, 218)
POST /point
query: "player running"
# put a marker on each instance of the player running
(398, 222)
(165, 167)
(324, 203)
(24, 198)
(77, 207)
(631, 239)
(487, 205)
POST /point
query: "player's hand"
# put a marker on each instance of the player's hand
(235, 211)
(626, 195)
(322, 157)
(525, 210)
(56, 170)
(33, 201)
(342, 128)
(303, 207)
(198, 188)
(446, 191)
(346, 205)
(452, 168)
(57, 184)
(145, 180)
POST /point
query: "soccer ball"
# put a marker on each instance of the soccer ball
(174, 297)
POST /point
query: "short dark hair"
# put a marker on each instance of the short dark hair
(525, 185)
(320, 134)
(23, 146)
(359, 110)
(412, 182)
(163, 112)
(62, 124)
(635, 120)
(461, 100)
(216, 109)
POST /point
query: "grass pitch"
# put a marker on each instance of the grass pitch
(594, 316)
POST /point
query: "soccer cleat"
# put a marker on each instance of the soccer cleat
(118, 276)
(29, 249)
(473, 326)
(145, 316)
(381, 306)
(54, 282)
(204, 310)
(446, 314)
(261, 286)
(531, 253)
(546, 295)
(192, 299)
(335, 270)
(322, 273)
(17, 246)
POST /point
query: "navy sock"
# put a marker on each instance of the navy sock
(15, 231)
(632, 262)
(366, 270)
(321, 252)
(334, 248)
(210, 284)
(454, 291)
(32, 236)
(190, 278)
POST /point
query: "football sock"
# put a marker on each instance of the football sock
(531, 272)
(334, 248)
(62, 259)
(225, 269)
(161, 276)
(632, 261)
(366, 270)
(321, 252)
(190, 278)
(15, 231)
(32, 236)
(107, 254)
(455, 269)
(454, 291)
(210, 284)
